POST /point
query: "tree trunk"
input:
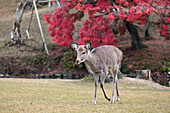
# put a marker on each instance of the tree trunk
(136, 41)
(147, 28)
(15, 30)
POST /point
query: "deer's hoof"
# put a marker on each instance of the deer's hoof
(108, 99)
(94, 103)
(118, 99)
(112, 101)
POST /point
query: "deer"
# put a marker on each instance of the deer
(100, 61)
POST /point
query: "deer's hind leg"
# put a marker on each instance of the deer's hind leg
(118, 97)
(114, 74)
(103, 76)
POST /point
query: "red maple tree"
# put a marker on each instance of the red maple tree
(97, 28)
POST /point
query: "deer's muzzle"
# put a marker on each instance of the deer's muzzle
(77, 62)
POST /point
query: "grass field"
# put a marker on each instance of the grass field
(47, 96)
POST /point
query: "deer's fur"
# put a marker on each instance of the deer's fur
(101, 61)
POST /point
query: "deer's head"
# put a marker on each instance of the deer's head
(82, 52)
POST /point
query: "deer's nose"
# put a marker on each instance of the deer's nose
(77, 62)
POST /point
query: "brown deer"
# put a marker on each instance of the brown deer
(101, 61)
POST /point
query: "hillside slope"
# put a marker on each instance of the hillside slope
(30, 58)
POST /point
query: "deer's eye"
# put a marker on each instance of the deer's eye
(83, 53)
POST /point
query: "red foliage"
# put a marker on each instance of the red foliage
(97, 29)
(139, 13)
(63, 21)
(122, 2)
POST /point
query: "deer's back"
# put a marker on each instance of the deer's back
(108, 54)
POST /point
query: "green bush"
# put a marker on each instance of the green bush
(89, 78)
(42, 62)
(125, 69)
(69, 61)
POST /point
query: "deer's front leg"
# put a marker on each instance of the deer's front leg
(95, 94)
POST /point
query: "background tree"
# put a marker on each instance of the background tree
(15, 30)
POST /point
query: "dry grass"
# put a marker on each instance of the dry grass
(30, 95)
(7, 8)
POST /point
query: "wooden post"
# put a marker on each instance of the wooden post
(58, 3)
(27, 34)
(39, 23)
(31, 18)
(49, 3)
(27, 31)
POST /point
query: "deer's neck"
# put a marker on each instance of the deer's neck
(90, 60)
(90, 63)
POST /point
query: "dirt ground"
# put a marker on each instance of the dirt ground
(146, 83)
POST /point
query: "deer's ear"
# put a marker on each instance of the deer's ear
(74, 46)
(87, 45)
